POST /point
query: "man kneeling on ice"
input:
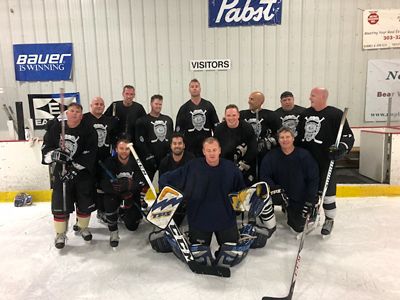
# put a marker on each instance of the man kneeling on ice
(207, 183)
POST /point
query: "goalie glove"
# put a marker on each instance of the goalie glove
(60, 156)
(240, 152)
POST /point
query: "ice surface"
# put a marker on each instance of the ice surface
(359, 261)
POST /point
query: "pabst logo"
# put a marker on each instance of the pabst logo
(373, 18)
(224, 13)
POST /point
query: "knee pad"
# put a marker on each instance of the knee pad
(231, 254)
(202, 254)
(159, 242)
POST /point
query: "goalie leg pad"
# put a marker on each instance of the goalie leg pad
(231, 254)
(175, 247)
(159, 242)
(267, 216)
(202, 254)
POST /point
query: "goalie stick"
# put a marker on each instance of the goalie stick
(195, 266)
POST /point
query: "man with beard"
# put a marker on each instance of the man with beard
(289, 113)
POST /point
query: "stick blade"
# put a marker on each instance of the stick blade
(209, 270)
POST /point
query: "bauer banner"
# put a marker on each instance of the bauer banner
(383, 88)
(225, 13)
(43, 62)
(46, 107)
(381, 28)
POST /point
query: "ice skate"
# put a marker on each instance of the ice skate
(60, 239)
(86, 234)
(114, 238)
(327, 228)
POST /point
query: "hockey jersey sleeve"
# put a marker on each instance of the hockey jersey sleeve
(141, 139)
(51, 141)
(214, 120)
(180, 124)
(347, 137)
(251, 141)
(175, 178)
(267, 169)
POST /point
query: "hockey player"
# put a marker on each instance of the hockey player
(105, 128)
(294, 172)
(317, 131)
(127, 112)
(289, 113)
(153, 136)
(238, 142)
(178, 155)
(265, 124)
(79, 158)
(196, 119)
(122, 182)
(207, 182)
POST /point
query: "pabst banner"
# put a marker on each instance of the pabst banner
(46, 107)
(43, 62)
(224, 13)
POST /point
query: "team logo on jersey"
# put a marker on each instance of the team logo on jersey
(256, 125)
(71, 144)
(160, 130)
(198, 120)
(101, 134)
(311, 128)
(291, 121)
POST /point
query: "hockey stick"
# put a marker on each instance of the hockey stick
(296, 267)
(62, 145)
(195, 266)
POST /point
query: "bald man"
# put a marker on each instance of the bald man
(265, 124)
(105, 127)
(317, 131)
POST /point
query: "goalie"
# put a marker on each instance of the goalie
(207, 182)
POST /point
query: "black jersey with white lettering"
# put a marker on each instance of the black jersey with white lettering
(196, 122)
(317, 131)
(153, 136)
(126, 117)
(290, 118)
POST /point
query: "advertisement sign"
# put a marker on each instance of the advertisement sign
(43, 62)
(224, 13)
(383, 86)
(381, 28)
(46, 107)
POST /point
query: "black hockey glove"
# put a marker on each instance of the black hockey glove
(122, 185)
(336, 153)
(240, 152)
(279, 196)
(266, 143)
(60, 156)
(70, 174)
(308, 209)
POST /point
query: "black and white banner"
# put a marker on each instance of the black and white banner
(46, 107)
(383, 87)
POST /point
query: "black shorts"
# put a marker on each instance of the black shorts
(295, 218)
(204, 237)
(79, 191)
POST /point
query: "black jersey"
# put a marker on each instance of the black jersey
(153, 136)
(196, 122)
(231, 138)
(297, 173)
(126, 117)
(105, 128)
(169, 164)
(317, 131)
(80, 143)
(290, 118)
(120, 170)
